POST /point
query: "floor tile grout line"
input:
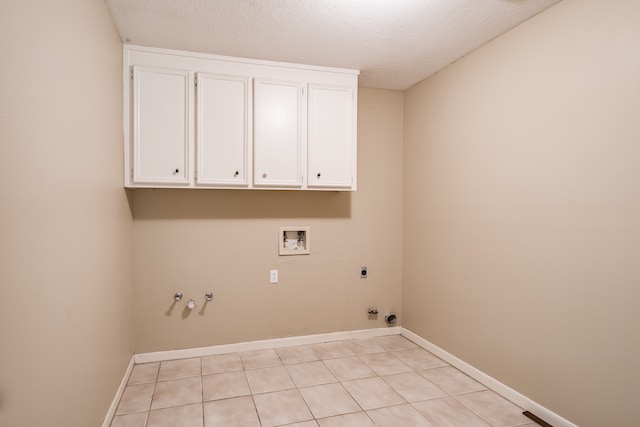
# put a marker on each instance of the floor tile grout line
(155, 384)
(313, 417)
(475, 412)
(255, 408)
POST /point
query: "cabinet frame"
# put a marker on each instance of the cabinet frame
(198, 64)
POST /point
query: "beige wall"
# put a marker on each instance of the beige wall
(227, 241)
(66, 273)
(522, 210)
(517, 235)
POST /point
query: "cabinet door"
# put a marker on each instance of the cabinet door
(277, 133)
(161, 104)
(223, 131)
(331, 137)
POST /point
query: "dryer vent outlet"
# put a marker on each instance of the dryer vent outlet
(390, 319)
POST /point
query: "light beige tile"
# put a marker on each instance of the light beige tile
(448, 412)
(413, 386)
(328, 400)
(396, 343)
(187, 415)
(420, 359)
(226, 387)
(298, 354)
(264, 380)
(359, 419)
(349, 368)
(136, 398)
(310, 373)
(236, 412)
(221, 363)
(495, 409)
(385, 363)
(452, 380)
(144, 373)
(260, 359)
(401, 415)
(183, 368)
(367, 346)
(281, 408)
(311, 423)
(371, 393)
(139, 419)
(222, 386)
(333, 349)
(177, 392)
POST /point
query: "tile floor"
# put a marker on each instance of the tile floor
(384, 381)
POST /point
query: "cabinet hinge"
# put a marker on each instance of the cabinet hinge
(195, 81)
(131, 74)
(195, 174)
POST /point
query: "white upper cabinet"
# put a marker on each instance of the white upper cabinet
(223, 130)
(161, 120)
(205, 121)
(330, 132)
(278, 134)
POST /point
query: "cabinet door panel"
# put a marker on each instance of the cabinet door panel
(161, 126)
(223, 130)
(277, 138)
(331, 137)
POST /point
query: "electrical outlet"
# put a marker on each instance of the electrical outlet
(363, 272)
(273, 276)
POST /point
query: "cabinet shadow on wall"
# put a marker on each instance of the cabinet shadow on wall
(210, 204)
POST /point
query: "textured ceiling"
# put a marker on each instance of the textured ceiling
(394, 43)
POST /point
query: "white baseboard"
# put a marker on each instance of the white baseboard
(160, 356)
(490, 382)
(114, 404)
